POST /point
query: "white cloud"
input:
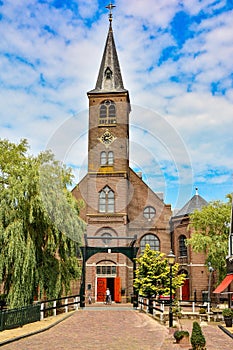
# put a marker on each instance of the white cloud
(50, 58)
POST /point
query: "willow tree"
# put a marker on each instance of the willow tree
(210, 232)
(153, 274)
(40, 230)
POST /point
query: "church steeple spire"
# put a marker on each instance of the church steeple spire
(110, 7)
(109, 77)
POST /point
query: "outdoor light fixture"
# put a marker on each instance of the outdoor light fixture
(211, 270)
(171, 260)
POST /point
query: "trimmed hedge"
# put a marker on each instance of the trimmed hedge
(197, 338)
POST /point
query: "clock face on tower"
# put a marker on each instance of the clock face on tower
(107, 138)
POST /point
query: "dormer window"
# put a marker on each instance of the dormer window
(107, 113)
(108, 73)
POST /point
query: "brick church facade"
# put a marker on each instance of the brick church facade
(120, 209)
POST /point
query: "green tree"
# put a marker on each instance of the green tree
(40, 230)
(153, 274)
(211, 232)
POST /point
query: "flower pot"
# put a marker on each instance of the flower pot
(228, 321)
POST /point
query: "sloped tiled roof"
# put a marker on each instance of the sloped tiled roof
(196, 202)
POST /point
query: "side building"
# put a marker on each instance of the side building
(191, 263)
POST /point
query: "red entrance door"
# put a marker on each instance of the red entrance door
(101, 288)
(117, 289)
(185, 290)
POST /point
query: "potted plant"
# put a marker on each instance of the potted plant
(227, 314)
(202, 311)
(181, 337)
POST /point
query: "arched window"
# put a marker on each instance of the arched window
(106, 200)
(149, 212)
(106, 267)
(112, 111)
(182, 245)
(110, 158)
(107, 113)
(150, 239)
(103, 112)
(103, 158)
(106, 158)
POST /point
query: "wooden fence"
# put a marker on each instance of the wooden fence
(189, 309)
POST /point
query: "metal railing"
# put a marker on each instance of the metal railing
(18, 317)
(14, 318)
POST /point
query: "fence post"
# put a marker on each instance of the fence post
(162, 311)
(154, 306)
(193, 306)
(147, 305)
(2, 320)
(66, 306)
(55, 308)
(76, 303)
(42, 311)
(162, 306)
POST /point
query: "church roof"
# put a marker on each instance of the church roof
(109, 78)
(196, 202)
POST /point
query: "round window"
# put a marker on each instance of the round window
(149, 212)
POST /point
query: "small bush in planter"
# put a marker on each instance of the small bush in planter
(202, 311)
(178, 335)
(227, 312)
(197, 338)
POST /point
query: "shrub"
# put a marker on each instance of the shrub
(176, 309)
(178, 335)
(227, 312)
(197, 338)
(202, 310)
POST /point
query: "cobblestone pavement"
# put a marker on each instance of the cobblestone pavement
(113, 329)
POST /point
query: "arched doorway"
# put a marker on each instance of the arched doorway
(114, 282)
(106, 277)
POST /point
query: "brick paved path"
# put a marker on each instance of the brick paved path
(113, 330)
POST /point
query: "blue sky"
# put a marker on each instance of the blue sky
(176, 62)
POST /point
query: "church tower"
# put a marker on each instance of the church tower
(121, 212)
(105, 189)
(108, 140)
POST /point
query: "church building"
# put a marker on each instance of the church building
(121, 211)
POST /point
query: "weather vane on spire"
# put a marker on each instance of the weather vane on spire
(110, 7)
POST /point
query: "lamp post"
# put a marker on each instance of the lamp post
(211, 270)
(171, 260)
